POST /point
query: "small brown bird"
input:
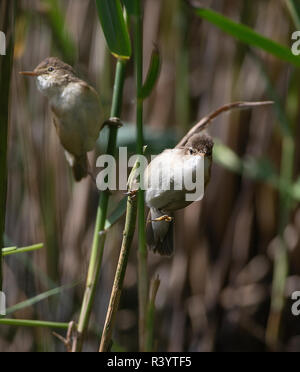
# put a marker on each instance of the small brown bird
(162, 202)
(75, 107)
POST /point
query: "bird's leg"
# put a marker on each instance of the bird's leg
(113, 122)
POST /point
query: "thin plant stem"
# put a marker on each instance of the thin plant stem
(8, 9)
(149, 344)
(33, 323)
(36, 299)
(128, 234)
(142, 249)
(182, 105)
(293, 12)
(204, 122)
(99, 237)
(13, 250)
(281, 262)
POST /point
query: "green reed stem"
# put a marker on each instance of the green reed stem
(33, 323)
(142, 249)
(14, 250)
(149, 342)
(7, 26)
(99, 238)
(281, 262)
(120, 274)
(182, 106)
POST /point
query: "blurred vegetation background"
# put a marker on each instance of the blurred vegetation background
(237, 261)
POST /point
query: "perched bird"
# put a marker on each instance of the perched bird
(163, 202)
(75, 107)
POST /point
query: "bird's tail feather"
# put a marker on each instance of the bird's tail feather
(79, 165)
(160, 234)
(80, 168)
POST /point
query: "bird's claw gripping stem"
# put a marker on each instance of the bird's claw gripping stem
(114, 122)
(132, 193)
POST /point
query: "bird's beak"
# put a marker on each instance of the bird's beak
(29, 73)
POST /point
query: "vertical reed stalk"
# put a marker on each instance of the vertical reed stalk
(182, 106)
(281, 264)
(99, 239)
(7, 21)
(281, 261)
(142, 249)
(120, 274)
(149, 342)
(293, 12)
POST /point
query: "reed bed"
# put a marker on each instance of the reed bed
(229, 285)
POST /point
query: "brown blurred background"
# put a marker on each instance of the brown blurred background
(215, 293)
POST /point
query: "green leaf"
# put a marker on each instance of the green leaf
(153, 74)
(41, 297)
(253, 168)
(130, 6)
(260, 170)
(114, 27)
(117, 214)
(247, 35)
(284, 122)
(256, 169)
(224, 156)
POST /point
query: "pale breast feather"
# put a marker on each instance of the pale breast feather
(164, 178)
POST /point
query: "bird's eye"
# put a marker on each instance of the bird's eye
(50, 69)
(191, 151)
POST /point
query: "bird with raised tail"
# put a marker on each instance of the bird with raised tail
(76, 110)
(163, 202)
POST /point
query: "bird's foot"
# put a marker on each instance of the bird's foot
(114, 122)
(132, 193)
(165, 218)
